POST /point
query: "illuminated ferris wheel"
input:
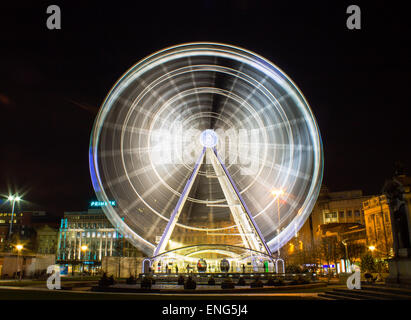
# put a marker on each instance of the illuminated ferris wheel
(206, 138)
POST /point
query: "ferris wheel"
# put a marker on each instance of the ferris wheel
(197, 130)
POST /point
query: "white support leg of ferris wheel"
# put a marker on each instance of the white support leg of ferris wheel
(250, 234)
(232, 201)
(177, 210)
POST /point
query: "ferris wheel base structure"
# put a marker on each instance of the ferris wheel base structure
(254, 253)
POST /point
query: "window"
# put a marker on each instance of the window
(357, 213)
(349, 213)
(341, 214)
(334, 214)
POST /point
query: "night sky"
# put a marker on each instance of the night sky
(52, 82)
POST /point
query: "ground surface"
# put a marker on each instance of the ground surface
(81, 290)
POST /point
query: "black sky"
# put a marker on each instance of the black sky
(53, 82)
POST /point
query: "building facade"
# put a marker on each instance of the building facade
(46, 240)
(378, 226)
(336, 217)
(333, 207)
(85, 237)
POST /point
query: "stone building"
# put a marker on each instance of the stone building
(333, 215)
(378, 226)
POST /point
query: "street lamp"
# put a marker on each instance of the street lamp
(277, 193)
(12, 199)
(19, 247)
(83, 248)
(372, 248)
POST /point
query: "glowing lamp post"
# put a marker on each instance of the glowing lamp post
(83, 248)
(19, 247)
(12, 199)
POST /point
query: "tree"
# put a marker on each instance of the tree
(368, 263)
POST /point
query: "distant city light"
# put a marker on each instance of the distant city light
(19, 247)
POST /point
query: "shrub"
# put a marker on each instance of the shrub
(270, 281)
(369, 278)
(180, 280)
(257, 283)
(211, 281)
(146, 283)
(299, 280)
(190, 283)
(241, 282)
(227, 284)
(106, 281)
(279, 282)
(367, 263)
(131, 280)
